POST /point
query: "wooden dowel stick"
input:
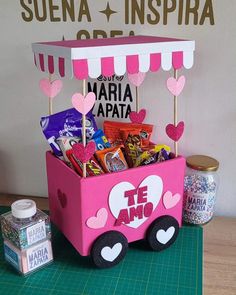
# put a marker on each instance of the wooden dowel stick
(176, 113)
(84, 128)
(137, 100)
(50, 98)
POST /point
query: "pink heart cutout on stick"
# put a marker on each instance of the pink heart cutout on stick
(175, 132)
(84, 154)
(137, 117)
(98, 221)
(50, 89)
(170, 200)
(137, 79)
(83, 104)
(176, 86)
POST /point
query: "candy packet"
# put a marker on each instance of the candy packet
(66, 124)
(65, 144)
(112, 131)
(92, 167)
(157, 153)
(132, 143)
(112, 159)
(100, 140)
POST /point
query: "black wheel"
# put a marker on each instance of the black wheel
(109, 249)
(162, 233)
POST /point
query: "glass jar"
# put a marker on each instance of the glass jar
(25, 225)
(200, 187)
(27, 237)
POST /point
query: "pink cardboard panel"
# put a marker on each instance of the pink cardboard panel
(111, 41)
(127, 201)
(64, 199)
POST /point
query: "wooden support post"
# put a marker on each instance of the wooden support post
(84, 128)
(176, 113)
(137, 99)
(50, 98)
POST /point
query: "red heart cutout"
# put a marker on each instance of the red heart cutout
(84, 153)
(175, 132)
(137, 117)
(62, 198)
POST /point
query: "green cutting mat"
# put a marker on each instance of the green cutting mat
(175, 271)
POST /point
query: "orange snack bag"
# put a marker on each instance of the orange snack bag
(112, 159)
(112, 130)
(132, 142)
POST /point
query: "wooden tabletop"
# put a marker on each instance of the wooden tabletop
(219, 250)
(220, 257)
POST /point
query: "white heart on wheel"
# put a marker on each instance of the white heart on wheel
(117, 200)
(165, 236)
(110, 254)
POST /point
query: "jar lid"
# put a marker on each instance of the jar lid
(202, 163)
(23, 208)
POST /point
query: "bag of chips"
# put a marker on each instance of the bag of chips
(66, 124)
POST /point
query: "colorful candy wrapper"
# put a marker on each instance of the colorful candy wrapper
(146, 158)
(150, 160)
(65, 144)
(132, 143)
(92, 167)
(157, 153)
(112, 159)
(66, 124)
(112, 131)
(100, 140)
(162, 156)
(158, 147)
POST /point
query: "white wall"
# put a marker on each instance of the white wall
(208, 103)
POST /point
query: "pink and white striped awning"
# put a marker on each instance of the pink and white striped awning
(91, 58)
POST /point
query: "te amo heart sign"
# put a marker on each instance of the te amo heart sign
(126, 201)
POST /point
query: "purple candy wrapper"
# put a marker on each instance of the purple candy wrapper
(66, 123)
(163, 155)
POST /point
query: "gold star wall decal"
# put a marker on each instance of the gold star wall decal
(108, 11)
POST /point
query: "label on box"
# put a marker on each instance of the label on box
(39, 255)
(36, 233)
(12, 257)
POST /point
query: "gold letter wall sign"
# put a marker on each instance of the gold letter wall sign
(144, 12)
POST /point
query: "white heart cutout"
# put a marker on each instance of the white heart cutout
(165, 236)
(110, 254)
(117, 201)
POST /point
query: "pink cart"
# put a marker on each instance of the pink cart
(100, 215)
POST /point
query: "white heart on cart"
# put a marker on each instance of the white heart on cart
(118, 201)
(165, 236)
(110, 254)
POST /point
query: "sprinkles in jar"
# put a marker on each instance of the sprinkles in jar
(200, 187)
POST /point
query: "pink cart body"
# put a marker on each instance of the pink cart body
(85, 208)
